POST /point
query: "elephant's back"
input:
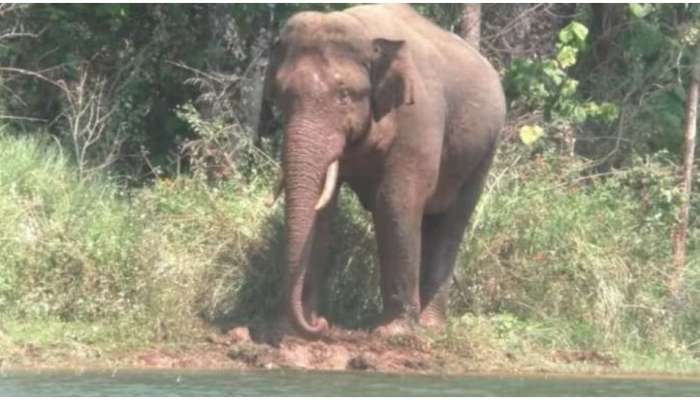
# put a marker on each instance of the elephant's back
(402, 22)
(440, 55)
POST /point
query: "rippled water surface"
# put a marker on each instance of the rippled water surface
(231, 383)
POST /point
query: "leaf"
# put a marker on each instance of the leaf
(580, 30)
(569, 87)
(574, 34)
(567, 56)
(529, 134)
(552, 71)
(641, 10)
(565, 36)
(580, 114)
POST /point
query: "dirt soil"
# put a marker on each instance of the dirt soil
(242, 348)
(341, 350)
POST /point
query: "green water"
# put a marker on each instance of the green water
(294, 383)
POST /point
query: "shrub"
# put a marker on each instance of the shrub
(91, 250)
(591, 252)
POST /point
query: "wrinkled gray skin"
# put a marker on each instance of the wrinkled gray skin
(412, 113)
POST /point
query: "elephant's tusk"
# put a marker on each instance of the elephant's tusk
(328, 186)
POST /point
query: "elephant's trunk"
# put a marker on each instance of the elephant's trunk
(307, 157)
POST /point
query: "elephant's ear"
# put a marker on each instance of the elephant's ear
(266, 121)
(392, 75)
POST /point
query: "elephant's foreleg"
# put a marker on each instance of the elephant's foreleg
(397, 220)
(442, 235)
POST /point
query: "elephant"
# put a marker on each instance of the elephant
(408, 116)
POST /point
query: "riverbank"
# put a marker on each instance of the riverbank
(244, 349)
(555, 275)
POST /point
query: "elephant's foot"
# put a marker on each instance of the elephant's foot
(433, 315)
(398, 326)
(433, 321)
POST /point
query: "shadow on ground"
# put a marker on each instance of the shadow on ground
(350, 298)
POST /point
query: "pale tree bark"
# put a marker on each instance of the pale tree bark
(470, 24)
(680, 233)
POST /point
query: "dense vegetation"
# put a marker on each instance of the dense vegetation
(133, 188)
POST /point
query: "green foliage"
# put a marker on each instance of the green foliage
(547, 85)
(571, 40)
(138, 50)
(643, 68)
(90, 252)
(44, 208)
(591, 253)
(224, 149)
(641, 10)
(573, 35)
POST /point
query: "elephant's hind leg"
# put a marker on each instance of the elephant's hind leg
(442, 236)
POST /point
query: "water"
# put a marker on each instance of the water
(295, 383)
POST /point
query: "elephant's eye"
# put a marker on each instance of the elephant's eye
(344, 96)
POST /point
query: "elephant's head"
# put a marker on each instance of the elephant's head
(331, 82)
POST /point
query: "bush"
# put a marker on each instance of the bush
(69, 247)
(590, 252)
(90, 250)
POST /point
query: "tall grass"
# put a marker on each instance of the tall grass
(551, 261)
(581, 263)
(164, 257)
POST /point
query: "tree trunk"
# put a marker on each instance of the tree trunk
(607, 22)
(680, 233)
(470, 24)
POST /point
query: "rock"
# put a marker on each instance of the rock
(249, 354)
(239, 334)
(360, 363)
(270, 366)
(592, 357)
(416, 364)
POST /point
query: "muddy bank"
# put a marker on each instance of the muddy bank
(249, 349)
(341, 350)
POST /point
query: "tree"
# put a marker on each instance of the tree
(470, 24)
(680, 233)
(607, 23)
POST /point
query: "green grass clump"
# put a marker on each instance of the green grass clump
(163, 258)
(67, 245)
(588, 258)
